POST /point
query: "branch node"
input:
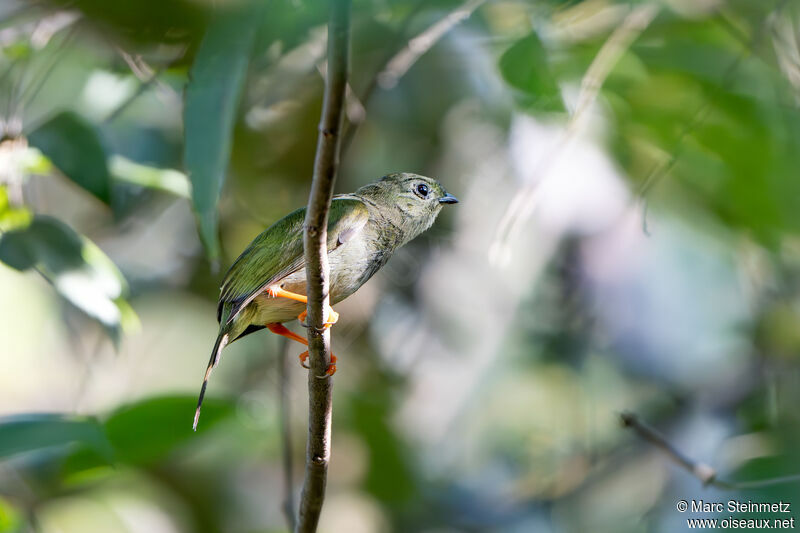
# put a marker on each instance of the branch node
(628, 419)
(705, 474)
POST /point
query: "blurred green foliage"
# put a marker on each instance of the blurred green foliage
(212, 98)
(73, 146)
(524, 66)
(658, 271)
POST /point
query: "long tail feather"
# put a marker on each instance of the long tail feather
(216, 353)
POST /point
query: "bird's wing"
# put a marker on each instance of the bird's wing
(278, 252)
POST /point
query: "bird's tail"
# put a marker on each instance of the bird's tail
(222, 340)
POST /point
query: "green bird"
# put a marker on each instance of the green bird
(266, 286)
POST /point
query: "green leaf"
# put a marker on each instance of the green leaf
(26, 433)
(141, 433)
(84, 465)
(391, 476)
(74, 147)
(167, 180)
(76, 267)
(524, 66)
(46, 243)
(10, 517)
(12, 217)
(211, 101)
(146, 432)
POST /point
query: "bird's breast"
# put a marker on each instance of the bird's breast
(351, 265)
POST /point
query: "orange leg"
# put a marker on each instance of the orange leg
(280, 329)
(277, 292)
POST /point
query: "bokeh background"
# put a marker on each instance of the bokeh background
(627, 240)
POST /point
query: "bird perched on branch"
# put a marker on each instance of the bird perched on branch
(266, 286)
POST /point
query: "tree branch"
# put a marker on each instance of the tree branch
(706, 474)
(320, 386)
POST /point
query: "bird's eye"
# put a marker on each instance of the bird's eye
(422, 190)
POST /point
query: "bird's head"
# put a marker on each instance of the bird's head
(416, 199)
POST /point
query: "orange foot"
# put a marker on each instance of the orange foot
(280, 329)
(331, 367)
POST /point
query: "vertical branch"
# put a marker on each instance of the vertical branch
(320, 386)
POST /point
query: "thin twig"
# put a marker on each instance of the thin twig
(423, 42)
(286, 433)
(396, 64)
(140, 90)
(29, 93)
(147, 74)
(33, 521)
(326, 162)
(705, 473)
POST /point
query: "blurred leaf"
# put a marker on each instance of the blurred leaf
(84, 465)
(10, 518)
(18, 50)
(74, 147)
(75, 266)
(524, 66)
(722, 116)
(143, 21)
(46, 242)
(778, 330)
(26, 433)
(146, 432)
(33, 161)
(211, 101)
(391, 476)
(783, 463)
(11, 217)
(167, 180)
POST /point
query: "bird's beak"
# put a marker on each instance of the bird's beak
(448, 199)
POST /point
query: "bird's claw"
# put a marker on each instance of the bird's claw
(331, 370)
(332, 315)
